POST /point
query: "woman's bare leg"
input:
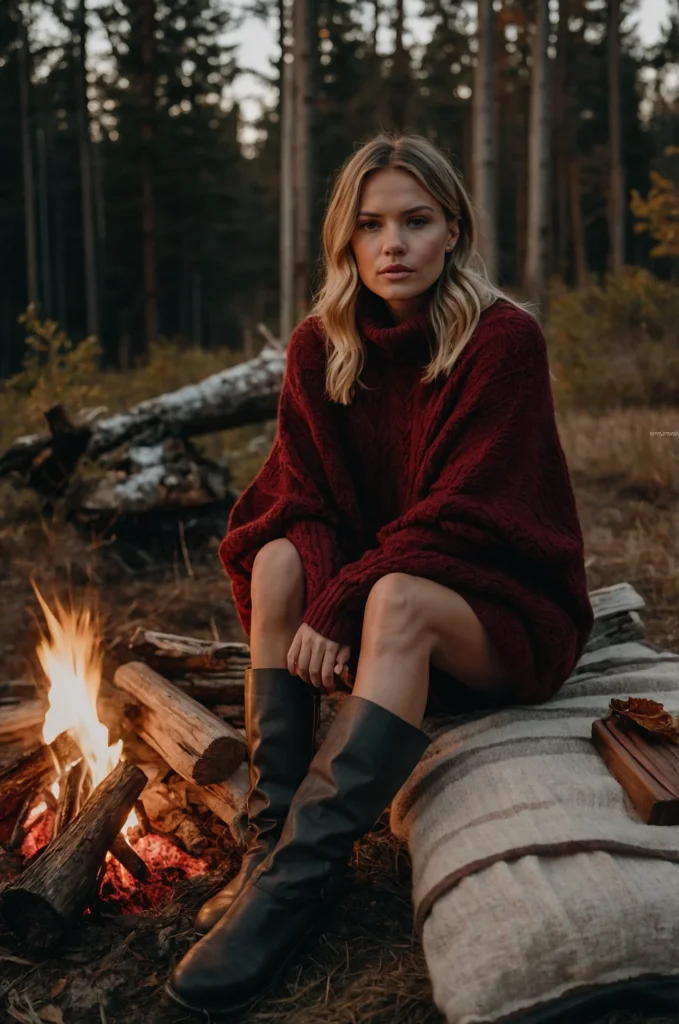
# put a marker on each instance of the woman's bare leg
(277, 603)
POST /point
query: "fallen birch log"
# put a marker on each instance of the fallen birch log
(194, 742)
(245, 393)
(55, 888)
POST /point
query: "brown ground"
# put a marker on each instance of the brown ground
(112, 969)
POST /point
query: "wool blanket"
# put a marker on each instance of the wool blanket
(533, 874)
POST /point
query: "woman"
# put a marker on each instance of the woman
(418, 523)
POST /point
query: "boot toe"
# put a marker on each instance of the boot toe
(244, 954)
(213, 911)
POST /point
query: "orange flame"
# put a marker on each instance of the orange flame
(72, 660)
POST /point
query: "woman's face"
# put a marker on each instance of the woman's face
(399, 221)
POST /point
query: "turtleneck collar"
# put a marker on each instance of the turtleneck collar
(411, 341)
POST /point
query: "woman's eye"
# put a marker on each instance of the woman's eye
(367, 223)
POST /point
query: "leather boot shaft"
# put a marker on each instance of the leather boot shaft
(281, 717)
(366, 757)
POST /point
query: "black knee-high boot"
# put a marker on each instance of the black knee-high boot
(281, 718)
(365, 759)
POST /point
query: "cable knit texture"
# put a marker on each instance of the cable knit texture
(462, 481)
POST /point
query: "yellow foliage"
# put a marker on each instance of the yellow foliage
(53, 368)
(658, 213)
(615, 345)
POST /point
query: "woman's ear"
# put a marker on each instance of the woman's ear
(454, 234)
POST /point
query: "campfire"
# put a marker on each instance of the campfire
(102, 807)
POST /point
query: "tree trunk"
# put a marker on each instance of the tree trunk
(561, 135)
(535, 273)
(399, 79)
(43, 208)
(287, 190)
(148, 217)
(303, 26)
(483, 140)
(577, 224)
(24, 65)
(616, 210)
(87, 197)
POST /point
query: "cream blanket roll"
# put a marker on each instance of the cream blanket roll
(533, 874)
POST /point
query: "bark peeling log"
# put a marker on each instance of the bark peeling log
(57, 886)
(198, 745)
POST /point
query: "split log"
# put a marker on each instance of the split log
(212, 690)
(34, 770)
(56, 887)
(22, 717)
(24, 777)
(14, 690)
(234, 714)
(19, 830)
(129, 858)
(178, 655)
(198, 745)
(227, 800)
(71, 787)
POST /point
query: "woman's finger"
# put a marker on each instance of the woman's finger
(327, 676)
(304, 659)
(293, 653)
(316, 661)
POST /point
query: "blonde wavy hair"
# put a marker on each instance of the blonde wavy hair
(461, 293)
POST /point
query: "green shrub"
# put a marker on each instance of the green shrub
(615, 345)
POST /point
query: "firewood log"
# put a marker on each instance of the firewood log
(129, 858)
(195, 743)
(33, 771)
(211, 690)
(176, 655)
(20, 717)
(227, 800)
(55, 888)
(70, 796)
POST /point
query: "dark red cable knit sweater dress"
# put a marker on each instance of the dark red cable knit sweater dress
(462, 481)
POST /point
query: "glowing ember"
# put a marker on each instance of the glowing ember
(167, 865)
(72, 659)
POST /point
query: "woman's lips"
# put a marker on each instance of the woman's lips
(395, 275)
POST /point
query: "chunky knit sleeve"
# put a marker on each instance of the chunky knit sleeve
(302, 491)
(495, 520)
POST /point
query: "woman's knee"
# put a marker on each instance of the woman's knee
(278, 577)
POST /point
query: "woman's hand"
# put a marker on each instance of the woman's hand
(316, 659)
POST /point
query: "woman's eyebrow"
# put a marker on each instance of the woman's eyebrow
(422, 206)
